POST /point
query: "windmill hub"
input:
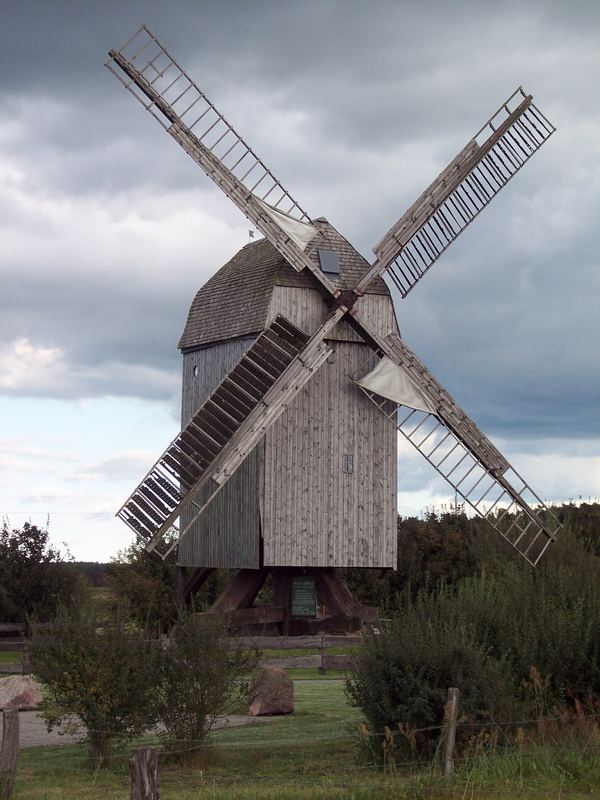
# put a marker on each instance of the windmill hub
(284, 466)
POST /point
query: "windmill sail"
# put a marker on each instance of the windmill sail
(453, 444)
(153, 76)
(415, 242)
(224, 430)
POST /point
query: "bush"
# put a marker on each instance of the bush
(200, 679)
(518, 642)
(400, 678)
(103, 678)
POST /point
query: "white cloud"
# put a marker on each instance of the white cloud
(35, 370)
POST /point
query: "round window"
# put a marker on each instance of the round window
(196, 371)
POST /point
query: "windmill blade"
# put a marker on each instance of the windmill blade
(153, 76)
(225, 429)
(495, 154)
(428, 417)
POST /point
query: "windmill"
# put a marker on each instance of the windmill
(297, 382)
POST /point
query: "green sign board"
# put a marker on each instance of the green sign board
(304, 597)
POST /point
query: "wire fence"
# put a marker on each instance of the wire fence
(181, 762)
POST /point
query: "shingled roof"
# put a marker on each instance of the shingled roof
(235, 301)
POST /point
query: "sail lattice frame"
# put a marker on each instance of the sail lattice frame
(460, 193)
(503, 499)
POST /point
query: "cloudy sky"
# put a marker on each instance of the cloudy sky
(107, 228)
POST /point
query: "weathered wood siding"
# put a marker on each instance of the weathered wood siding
(228, 533)
(306, 309)
(293, 487)
(315, 513)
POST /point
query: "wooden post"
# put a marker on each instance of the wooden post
(9, 753)
(321, 654)
(450, 716)
(143, 767)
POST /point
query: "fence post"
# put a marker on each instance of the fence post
(321, 654)
(143, 767)
(450, 716)
(9, 753)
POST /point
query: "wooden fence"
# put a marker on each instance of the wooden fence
(14, 638)
(319, 643)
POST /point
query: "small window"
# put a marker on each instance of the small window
(329, 261)
(195, 371)
(348, 463)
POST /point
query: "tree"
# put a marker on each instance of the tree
(35, 578)
(147, 585)
(101, 678)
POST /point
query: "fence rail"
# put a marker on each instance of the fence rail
(321, 660)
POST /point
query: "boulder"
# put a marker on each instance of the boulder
(19, 692)
(271, 692)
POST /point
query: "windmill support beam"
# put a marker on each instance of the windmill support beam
(340, 611)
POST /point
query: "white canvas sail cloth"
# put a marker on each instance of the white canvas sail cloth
(392, 382)
(299, 232)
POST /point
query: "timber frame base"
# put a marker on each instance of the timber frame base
(338, 611)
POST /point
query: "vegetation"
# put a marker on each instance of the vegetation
(518, 642)
(199, 680)
(317, 754)
(35, 578)
(113, 683)
(99, 678)
(147, 585)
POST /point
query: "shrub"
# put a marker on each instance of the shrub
(200, 679)
(518, 642)
(401, 676)
(102, 678)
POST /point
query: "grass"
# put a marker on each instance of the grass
(317, 753)
(11, 656)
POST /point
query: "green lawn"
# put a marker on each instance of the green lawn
(314, 753)
(10, 656)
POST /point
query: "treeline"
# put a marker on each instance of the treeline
(447, 547)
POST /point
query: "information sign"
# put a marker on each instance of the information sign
(304, 597)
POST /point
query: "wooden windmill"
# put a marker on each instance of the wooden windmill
(296, 381)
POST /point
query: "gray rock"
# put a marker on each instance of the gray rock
(19, 692)
(271, 692)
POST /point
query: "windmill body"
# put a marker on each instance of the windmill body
(319, 490)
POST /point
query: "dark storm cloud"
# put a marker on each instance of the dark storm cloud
(356, 107)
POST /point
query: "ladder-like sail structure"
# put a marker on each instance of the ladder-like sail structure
(508, 140)
(462, 454)
(224, 430)
(153, 76)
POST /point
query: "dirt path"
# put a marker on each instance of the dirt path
(33, 732)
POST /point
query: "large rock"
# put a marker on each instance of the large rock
(271, 692)
(19, 692)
